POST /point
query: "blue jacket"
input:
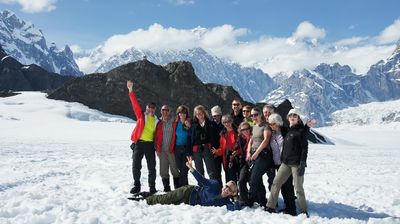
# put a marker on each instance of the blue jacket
(208, 193)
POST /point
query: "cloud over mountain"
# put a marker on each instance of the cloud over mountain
(306, 47)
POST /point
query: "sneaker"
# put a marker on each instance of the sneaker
(135, 190)
(270, 210)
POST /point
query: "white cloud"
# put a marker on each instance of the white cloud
(305, 48)
(33, 6)
(307, 30)
(182, 2)
(76, 49)
(351, 41)
(390, 33)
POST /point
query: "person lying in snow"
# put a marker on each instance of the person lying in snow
(207, 193)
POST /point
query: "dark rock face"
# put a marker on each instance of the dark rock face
(18, 77)
(7, 93)
(173, 84)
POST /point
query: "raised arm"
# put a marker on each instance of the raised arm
(200, 179)
(135, 104)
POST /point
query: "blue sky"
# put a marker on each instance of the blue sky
(86, 24)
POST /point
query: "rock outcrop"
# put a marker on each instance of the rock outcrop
(173, 84)
(18, 77)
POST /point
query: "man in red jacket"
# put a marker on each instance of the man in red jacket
(143, 141)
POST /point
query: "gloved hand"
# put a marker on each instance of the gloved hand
(301, 168)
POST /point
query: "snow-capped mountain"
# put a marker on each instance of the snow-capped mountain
(367, 114)
(383, 78)
(23, 41)
(252, 84)
(328, 88)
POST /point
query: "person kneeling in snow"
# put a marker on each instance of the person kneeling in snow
(207, 193)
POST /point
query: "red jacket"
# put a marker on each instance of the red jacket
(159, 136)
(140, 118)
(226, 142)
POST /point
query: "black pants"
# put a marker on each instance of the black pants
(180, 159)
(244, 178)
(218, 169)
(147, 150)
(205, 154)
(271, 175)
(232, 173)
(257, 189)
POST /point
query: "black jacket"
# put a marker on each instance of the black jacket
(237, 119)
(204, 135)
(295, 145)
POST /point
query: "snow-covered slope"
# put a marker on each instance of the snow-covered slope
(26, 43)
(59, 164)
(367, 114)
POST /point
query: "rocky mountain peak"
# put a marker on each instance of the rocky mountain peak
(26, 43)
(396, 54)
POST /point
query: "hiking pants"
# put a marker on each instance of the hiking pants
(147, 150)
(175, 197)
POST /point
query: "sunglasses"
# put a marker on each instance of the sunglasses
(254, 115)
(245, 129)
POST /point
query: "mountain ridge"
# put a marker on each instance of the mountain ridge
(27, 44)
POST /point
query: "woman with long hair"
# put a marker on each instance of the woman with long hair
(202, 142)
(258, 146)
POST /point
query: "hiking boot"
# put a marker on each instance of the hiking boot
(270, 210)
(145, 194)
(306, 213)
(287, 211)
(250, 202)
(135, 190)
(165, 182)
(153, 190)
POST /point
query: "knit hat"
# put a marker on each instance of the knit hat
(216, 110)
(294, 111)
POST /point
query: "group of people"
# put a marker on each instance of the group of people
(247, 143)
